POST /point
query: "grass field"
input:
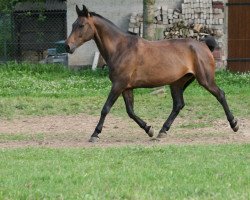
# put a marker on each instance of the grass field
(133, 172)
(48, 90)
(172, 172)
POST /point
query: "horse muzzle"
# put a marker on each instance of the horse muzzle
(70, 49)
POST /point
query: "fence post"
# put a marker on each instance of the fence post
(95, 61)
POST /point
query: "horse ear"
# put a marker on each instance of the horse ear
(78, 11)
(85, 11)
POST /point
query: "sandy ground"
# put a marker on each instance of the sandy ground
(75, 130)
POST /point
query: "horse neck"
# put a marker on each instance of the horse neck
(107, 37)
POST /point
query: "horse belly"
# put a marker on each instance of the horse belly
(162, 64)
(159, 76)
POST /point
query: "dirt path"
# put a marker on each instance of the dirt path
(74, 131)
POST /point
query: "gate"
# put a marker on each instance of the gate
(239, 35)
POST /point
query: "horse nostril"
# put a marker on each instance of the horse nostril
(67, 48)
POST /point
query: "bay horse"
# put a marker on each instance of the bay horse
(137, 63)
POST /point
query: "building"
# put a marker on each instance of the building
(117, 11)
(37, 27)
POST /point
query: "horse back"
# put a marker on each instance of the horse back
(154, 63)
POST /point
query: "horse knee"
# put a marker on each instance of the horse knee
(179, 107)
(105, 111)
(182, 106)
(131, 114)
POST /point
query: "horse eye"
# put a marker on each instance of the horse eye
(81, 26)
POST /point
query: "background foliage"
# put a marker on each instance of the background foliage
(8, 5)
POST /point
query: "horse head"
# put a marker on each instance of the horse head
(83, 30)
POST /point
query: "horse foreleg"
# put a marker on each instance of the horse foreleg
(129, 102)
(113, 96)
(178, 104)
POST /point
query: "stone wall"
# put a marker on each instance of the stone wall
(193, 19)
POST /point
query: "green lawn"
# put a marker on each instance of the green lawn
(28, 89)
(168, 172)
(172, 172)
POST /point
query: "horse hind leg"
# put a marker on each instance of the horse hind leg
(204, 74)
(209, 84)
(177, 90)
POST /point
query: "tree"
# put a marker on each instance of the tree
(7, 6)
(148, 19)
(148, 28)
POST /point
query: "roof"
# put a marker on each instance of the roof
(49, 5)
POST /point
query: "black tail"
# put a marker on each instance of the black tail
(210, 42)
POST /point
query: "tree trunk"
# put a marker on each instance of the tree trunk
(149, 30)
(148, 19)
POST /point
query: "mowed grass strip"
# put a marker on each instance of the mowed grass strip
(172, 172)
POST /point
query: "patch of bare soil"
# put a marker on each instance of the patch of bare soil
(74, 131)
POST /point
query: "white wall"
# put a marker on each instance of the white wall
(117, 11)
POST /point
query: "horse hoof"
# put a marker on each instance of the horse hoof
(151, 132)
(162, 135)
(236, 126)
(94, 139)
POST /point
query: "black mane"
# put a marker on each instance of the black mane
(100, 16)
(97, 15)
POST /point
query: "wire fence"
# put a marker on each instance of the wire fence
(32, 36)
